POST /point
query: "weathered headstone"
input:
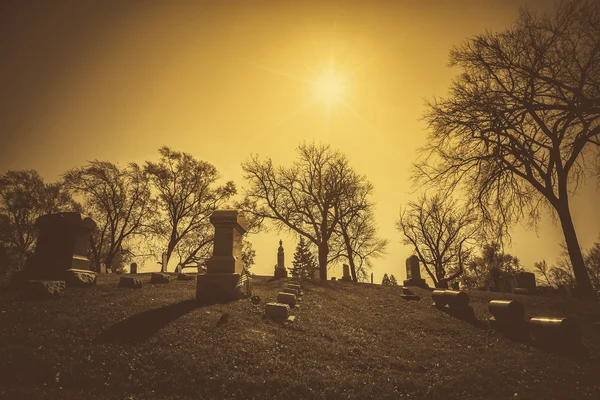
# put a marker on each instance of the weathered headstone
(133, 268)
(564, 332)
(225, 277)
(454, 302)
(526, 281)
(286, 298)
(43, 289)
(164, 262)
(80, 278)
(103, 268)
(159, 278)
(413, 273)
(408, 294)
(508, 316)
(293, 291)
(277, 311)
(130, 282)
(62, 243)
(346, 276)
(280, 270)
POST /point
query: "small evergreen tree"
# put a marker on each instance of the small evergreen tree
(304, 264)
(393, 280)
(386, 280)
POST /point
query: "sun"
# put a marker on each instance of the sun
(330, 88)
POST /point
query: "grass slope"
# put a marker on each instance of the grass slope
(349, 341)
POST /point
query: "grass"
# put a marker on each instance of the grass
(349, 341)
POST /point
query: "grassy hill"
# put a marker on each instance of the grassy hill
(349, 341)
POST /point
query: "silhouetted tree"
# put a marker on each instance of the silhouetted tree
(248, 253)
(24, 197)
(543, 271)
(386, 280)
(393, 280)
(492, 256)
(592, 263)
(518, 122)
(118, 200)
(306, 198)
(188, 195)
(304, 264)
(356, 233)
(440, 233)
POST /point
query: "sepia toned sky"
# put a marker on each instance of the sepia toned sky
(115, 80)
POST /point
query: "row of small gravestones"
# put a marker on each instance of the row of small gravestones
(40, 289)
(508, 317)
(158, 278)
(286, 301)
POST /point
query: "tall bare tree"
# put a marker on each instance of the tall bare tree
(120, 202)
(23, 198)
(304, 198)
(187, 192)
(440, 233)
(519, 122)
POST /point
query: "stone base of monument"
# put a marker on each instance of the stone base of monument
(277, 311)
(159, 278)
(286, 298)
(408, 294)
(281, 273)
(44, 289)
(130, 282)
(416, 282)
(80, 278)
(346, 278)
(220, 287)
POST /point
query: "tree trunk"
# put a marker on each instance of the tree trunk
(350, 255)
(353, 270)
(581, 276)
(323, 253)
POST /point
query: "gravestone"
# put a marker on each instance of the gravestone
(526, 280)
(62, 243)
(508, 317)
(413, 273)
(225, 278)
(103, 268)
(280, 270)
(133, 268)
(346, 276)
(164, 262)
(455, 303)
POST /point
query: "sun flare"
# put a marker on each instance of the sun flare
(330, 88)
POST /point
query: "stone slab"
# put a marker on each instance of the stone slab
(277, 310)
(292, 291)
(44, 289)
(293, 286)
(80, 278)
(286, 298)
(160, 278)
(130, 282)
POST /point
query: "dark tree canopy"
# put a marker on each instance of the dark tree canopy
(119, 200)
(24, 197)
(522, 120)
(308, 198)
(440, 232)
(188, 194)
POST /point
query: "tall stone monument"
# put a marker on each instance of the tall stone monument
(280, 271)
(62, 243)
(413, 273)
(225, 278)
(346, 273)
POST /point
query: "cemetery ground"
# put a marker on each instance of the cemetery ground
(348, 341)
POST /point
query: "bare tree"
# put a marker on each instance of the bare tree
(440, 232)
(24, 197)
(521, 118)
(304, 198)
(187, 192)
(120, 202)
(356, 240)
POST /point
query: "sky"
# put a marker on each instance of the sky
(115, 80)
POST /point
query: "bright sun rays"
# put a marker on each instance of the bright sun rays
(330, 88)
